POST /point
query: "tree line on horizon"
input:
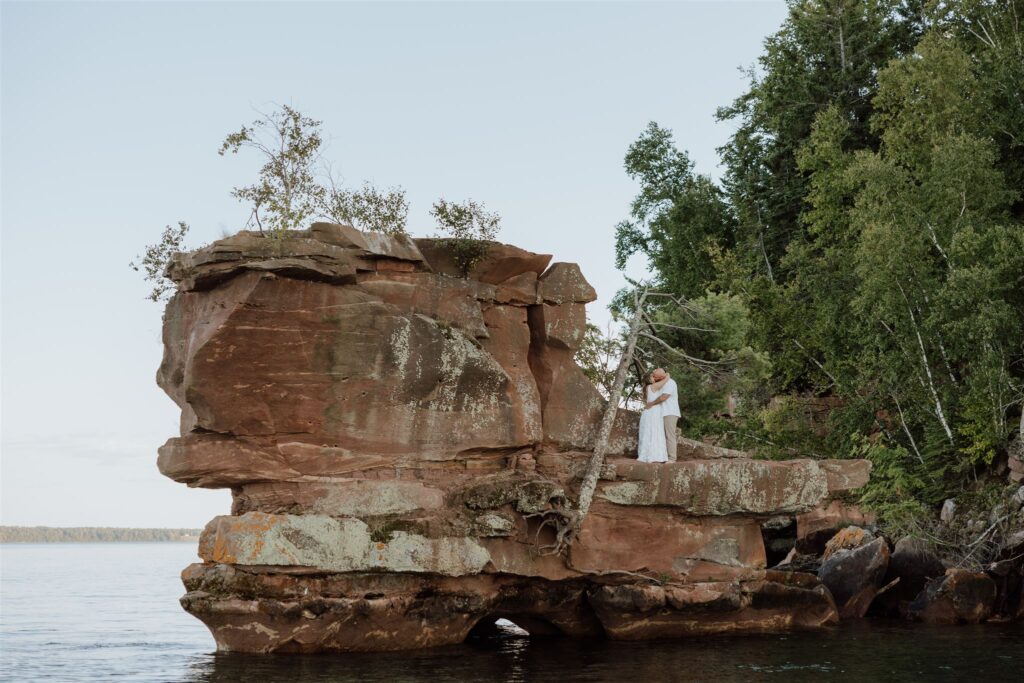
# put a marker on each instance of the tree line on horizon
(92, 534)
(863, 252)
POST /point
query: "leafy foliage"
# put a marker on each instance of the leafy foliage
(287, 191)
(678, 219)
(469, 227)
(290, 190)
(367, 208)
(870, 226)
(158, 256)
(598, 356)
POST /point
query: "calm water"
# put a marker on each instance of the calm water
(88, 612)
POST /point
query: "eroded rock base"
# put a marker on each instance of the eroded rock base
(269, 610)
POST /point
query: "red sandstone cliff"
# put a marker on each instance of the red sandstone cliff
(388, 429)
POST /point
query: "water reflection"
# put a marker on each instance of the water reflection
(875, 651)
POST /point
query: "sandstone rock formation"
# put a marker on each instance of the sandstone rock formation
(393, 433)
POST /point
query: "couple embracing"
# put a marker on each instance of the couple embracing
(657, 442)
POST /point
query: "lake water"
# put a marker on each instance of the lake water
(90, 612)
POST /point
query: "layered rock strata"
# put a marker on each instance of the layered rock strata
(393, 434)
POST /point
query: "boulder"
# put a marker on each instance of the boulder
(911, 566)
(799, 562)
(816, 527)
(854, 574)
(1008, 576)
(847, 538)
(960, 596)
(563, 283)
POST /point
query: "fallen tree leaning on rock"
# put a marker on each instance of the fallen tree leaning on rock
(569, 523)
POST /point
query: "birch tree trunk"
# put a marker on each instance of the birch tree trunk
(608, 421)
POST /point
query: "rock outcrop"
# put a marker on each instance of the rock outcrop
(853, 567)
(393, 435)
(960, 596)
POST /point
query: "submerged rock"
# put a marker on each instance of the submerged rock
(399, 440)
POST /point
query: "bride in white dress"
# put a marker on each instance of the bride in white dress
(652, 446)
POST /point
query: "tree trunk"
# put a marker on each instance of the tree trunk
(607, 422)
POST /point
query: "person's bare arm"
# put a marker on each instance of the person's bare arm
(657, 401)
(660, 383)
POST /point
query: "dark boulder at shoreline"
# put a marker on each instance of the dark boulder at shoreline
(911, 565)
(960, 596)
(853, 570)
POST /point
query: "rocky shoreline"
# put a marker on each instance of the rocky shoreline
(394, 436)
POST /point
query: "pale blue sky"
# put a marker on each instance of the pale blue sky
(112, 114)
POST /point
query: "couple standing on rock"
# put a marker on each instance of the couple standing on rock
(657, 442)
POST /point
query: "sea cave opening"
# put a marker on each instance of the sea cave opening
(513, 626)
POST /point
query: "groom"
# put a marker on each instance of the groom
(669, 410)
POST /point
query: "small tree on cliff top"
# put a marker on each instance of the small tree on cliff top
(295, 184)
(469, 227)
(287, 192)
(366, 208)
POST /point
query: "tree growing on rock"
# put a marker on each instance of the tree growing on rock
(598, 355)
(295, 184)
(290, 191)
(469, 227)
(156, 257)
(647, 324)
(287, 193)
(366, 208)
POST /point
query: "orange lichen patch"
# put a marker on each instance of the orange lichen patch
(845, 539)
(219, 540)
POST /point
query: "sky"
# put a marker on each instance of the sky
(111, 115)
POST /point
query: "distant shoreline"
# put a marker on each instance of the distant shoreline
(94, 534)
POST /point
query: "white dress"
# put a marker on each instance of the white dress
(652, 446)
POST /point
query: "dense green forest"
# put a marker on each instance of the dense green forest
(860, 266)
(91, 534)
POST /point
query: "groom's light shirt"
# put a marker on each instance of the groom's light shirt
(670, 408)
